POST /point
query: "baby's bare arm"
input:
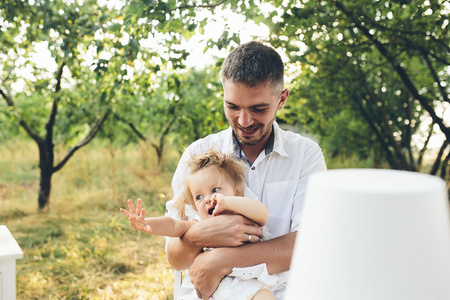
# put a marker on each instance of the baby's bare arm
(248, 207)
(165, 226)
(168, 226)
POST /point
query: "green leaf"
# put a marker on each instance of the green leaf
(115, 27)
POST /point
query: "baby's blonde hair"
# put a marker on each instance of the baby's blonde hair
(226, 164)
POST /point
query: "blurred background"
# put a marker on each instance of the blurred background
(98, 99)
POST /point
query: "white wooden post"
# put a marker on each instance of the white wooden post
(178, 278)
(9, 252)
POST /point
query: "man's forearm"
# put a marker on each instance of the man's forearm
(276, 253)
(220, 231)
(181, 252)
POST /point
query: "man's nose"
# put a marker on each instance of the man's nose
(245, 118)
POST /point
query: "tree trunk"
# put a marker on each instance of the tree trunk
(46, 158)
(159, 152)
(437, 162)
(45, 185)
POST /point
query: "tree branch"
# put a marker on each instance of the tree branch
(51, 120)
(437, 162)
(424, 101)
(403, 34)
(408, 135)
(384, 127)
(166, 131)
(159, 148)
(436, 78)
(7, 97)
(131, 125)
(95, 129)
(425, 145)
(59, 77)
(186, 6)
(377, 131)
(444, 166)
(25, 126)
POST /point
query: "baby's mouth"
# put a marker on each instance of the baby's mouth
(211, 210)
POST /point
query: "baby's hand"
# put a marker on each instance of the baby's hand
(136, 217)
(219, 200)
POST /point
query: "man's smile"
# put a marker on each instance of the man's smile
(248, 130)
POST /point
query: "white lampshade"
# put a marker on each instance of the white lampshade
(372, 234)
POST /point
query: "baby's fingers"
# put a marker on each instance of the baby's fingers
(131, 207)
(138, 206)
(125, 212)
(217, 210)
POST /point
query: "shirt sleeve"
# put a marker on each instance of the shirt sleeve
(314, 161)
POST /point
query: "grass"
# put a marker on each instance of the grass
(83, 248)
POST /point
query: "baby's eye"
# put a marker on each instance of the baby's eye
(215, 190)
(198, 197)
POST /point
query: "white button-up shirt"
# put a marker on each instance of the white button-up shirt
(277, 178)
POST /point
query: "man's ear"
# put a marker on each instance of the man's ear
(283, 97)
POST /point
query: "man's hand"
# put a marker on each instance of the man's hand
(206, 273)
(136, 216)
(220, 231)
(224, 231)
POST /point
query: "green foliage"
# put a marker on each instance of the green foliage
(8, 125)
(99, 59)
(364, 75)
(179, 107)
(109, 58)
(202, 95)
(367, 74)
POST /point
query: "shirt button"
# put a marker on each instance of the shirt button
(253, 168)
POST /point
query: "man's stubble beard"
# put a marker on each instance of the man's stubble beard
(244, 141)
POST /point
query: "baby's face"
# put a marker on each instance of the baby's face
(205, 183)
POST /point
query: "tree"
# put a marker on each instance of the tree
(96, 53)
(65, 29)
(381, 62)
(185, 106)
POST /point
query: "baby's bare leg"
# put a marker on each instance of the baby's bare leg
(264, 294)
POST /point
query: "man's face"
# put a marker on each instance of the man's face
(251, 110)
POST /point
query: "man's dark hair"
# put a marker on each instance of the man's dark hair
(253, 63)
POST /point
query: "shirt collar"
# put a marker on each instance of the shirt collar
(269, 147)
(279, 140)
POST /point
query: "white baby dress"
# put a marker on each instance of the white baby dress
(241, 283)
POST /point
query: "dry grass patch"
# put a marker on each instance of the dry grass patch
(84, 248)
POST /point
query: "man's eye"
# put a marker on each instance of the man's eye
(232, 107)
(259, 109)
(198, 197)
(215, 190)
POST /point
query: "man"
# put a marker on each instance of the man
(278, 165)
